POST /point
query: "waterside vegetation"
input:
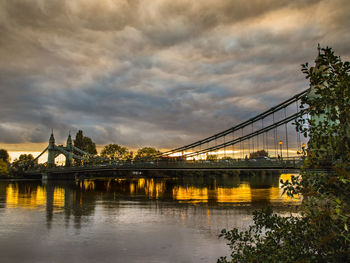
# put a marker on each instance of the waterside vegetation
(320, 233)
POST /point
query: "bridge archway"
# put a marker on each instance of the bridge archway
(60, 160)
(54, 151)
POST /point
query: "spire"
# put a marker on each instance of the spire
(69, 149)
(52, 138)
(69, 140)
(52, 141)
(69, 144)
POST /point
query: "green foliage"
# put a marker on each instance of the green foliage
(329, 107)
(4, 156)
(229, 158)
(146, 153)
(22, 160)
(89, 146)
(321, 232)
(4, 168)
(257, 154)
(79, 140)
(273, 238)
(212, 157)
(116, 152)
(84, 143)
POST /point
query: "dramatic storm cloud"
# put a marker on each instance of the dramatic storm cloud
(161, 73)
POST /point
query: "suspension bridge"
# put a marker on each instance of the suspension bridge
(272, 132)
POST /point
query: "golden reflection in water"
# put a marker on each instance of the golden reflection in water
(40, 196)
(141, 183)
(154, 189)
(132, 188)
(190, 193)
(241, 194)
(58, 197)
(32, 196)
(87, 185)
(29, 198)
(149, 188)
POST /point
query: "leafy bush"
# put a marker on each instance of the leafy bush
(321, 231)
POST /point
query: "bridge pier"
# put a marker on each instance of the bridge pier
(44, 176)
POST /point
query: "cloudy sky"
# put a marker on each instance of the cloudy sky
(160, 72)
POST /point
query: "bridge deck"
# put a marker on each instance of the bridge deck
(222, 165)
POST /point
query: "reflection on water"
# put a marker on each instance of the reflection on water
(235, 190)
(68, 196)
(181, 206)
(25, 196)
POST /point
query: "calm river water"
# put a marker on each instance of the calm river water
(131, 219)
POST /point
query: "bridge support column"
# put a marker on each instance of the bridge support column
(44, 176)
(69, 149)
(51, 151)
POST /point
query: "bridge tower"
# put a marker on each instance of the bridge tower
(51, 151)
(69, 149)
(54, 151)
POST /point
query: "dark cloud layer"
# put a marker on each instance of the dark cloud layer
(160, 73)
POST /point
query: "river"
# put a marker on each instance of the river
(131, 219)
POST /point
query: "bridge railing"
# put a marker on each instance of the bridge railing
(291, 162)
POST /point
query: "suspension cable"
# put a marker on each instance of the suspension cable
(237, 127)
(253, 134)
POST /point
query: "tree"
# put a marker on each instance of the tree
(84, 143)
(89, 146)
(4, 156)
(79, 140)
(115, 152)
(257, 154)
(211, 157)
(4, 163)
(146, 153)
(4, 168)
(321, 232)
(22, 160)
